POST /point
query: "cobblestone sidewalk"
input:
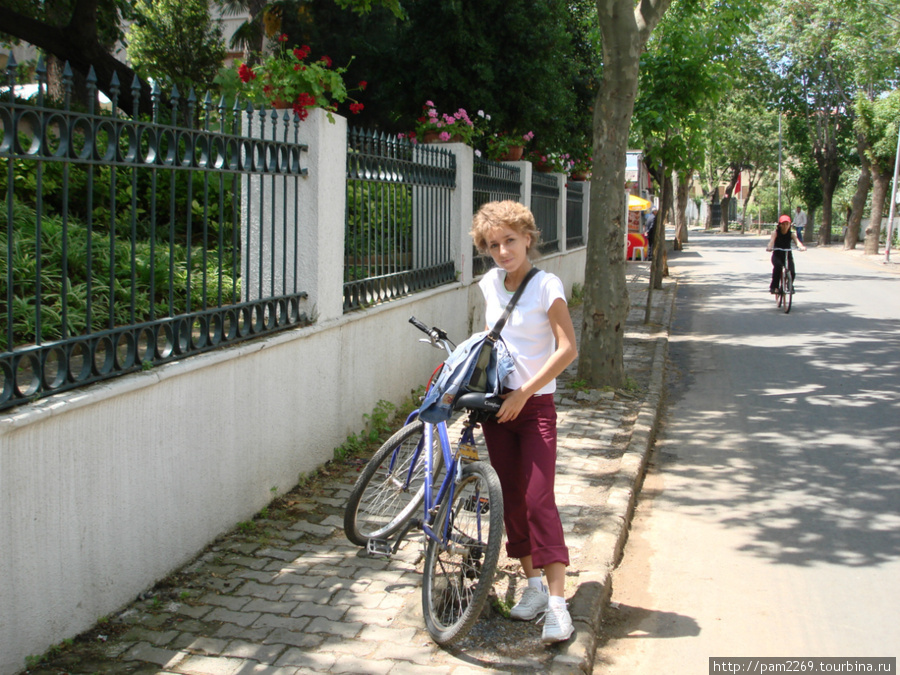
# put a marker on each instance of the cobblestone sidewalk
(287, 594)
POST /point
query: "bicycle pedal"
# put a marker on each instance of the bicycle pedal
(379, 548)
(472, 502)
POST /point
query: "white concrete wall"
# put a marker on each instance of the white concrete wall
(106, 490)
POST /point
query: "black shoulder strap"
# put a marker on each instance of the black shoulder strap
(501, 322)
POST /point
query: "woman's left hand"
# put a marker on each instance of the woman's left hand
(513, 402)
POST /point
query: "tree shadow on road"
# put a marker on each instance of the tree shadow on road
(810, 446)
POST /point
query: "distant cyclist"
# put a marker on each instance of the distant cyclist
(782, 238)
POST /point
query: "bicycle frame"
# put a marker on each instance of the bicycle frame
(448, 484)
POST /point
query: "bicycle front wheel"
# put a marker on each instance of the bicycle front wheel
(459, 569)
(391, 486)
(788, 290)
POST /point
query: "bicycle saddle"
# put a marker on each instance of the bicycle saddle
(479, 401)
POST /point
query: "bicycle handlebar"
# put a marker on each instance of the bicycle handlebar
(436, 335)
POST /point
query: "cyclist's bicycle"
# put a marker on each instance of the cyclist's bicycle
(462, 519)
(784, 293)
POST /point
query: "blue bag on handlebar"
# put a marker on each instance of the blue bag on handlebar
(477, 364)
(480, 364)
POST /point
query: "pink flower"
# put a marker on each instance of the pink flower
(445, 136)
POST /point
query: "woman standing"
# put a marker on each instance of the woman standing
(521, 440)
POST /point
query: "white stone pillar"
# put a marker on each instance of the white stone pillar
(292, 227)
(461, 208)
(561, 210)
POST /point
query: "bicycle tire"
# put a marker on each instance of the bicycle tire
(386, 495)
(779, 292)
(788, 290)
(458, 578)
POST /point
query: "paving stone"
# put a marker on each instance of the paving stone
(251, 633)
(234, 603)
(310, 609)
(306, 659)
(268, 607)
(228, 616)
(292, 623)
(157, 638)
(251, 650)
(292, 638)
(352, 664)
(206, 665)
(144, 651)
(342, 628)
(258, 590)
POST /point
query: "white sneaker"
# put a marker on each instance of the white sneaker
(532, 603)
(557, 625)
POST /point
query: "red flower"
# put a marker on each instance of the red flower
(283, 37)
(363, 84)
(356, 108)
(245, 73)
(327, 60)
(306, 100)
(301, 52)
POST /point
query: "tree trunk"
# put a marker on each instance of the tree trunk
(682, 186)
(726, 206)
(710, 207)
(858, 203)
(880, 183)
(829, 173)
(625, 30)
(659, 266)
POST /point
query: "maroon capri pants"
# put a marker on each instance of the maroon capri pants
(523, 452)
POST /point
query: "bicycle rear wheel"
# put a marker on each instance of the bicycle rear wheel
(459, 569)
(788, 283)
(391, 486)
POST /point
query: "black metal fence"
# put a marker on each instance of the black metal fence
(122, 240)
(398, 225)
(575, 214)
(492, 181)
(544, 200)
(127, 242)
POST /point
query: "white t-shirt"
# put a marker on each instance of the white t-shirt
(800, 219)
(527, 333)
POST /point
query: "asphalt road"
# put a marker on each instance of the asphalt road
(769, 522)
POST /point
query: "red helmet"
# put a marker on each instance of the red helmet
(784, 219)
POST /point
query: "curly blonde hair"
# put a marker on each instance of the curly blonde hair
(507, 213)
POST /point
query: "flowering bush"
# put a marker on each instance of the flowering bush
(457, 127)
(582, 162)
(287, 77)
(555, 162)
(499, 144)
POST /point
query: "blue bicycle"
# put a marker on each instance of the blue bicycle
(462, 520)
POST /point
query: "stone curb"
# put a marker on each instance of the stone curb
(606, 543)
